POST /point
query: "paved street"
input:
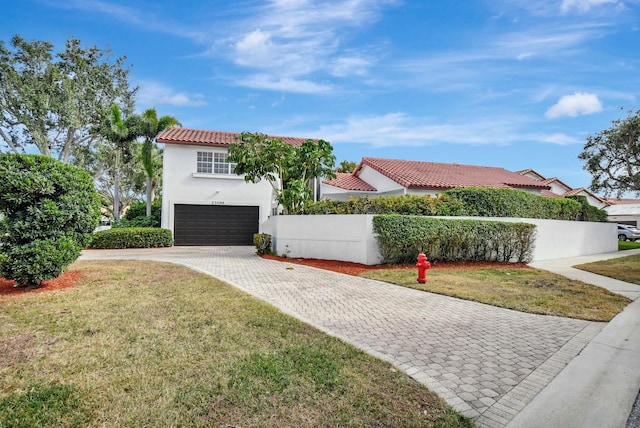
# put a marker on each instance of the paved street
(487, 362)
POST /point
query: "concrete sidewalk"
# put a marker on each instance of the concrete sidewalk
(599, 387)
(492, 364)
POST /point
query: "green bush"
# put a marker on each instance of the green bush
(470, 201)
(134, 237)
(262, 241)
(407, 204)
(49, 210)
(136, 216)
(490, 202)
(589, 212)
(400, 239)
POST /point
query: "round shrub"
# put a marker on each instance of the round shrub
(49, 210)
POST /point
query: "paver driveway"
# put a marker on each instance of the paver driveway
(487, 362)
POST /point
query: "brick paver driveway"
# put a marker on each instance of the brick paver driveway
(486, 362)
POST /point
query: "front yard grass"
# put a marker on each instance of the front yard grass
(624, 269)
(523, 289)
(628, 245)
(153, 344)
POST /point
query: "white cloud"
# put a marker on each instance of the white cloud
(561, 139)
(346, 66)
(289, 40)
(154, 93)
(284, 84)
(401, 130)
(583, 5)
(580, 103)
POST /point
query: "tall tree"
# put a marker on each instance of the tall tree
(52, 102)
(151, 126)
(121, 132)
(612, 157)
(286, 168)
(346, 166)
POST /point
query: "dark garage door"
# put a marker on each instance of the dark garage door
(215, 224)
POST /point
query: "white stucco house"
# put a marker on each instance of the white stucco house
(378, 177)
(559, 189)
(624, 211)
(203, 201)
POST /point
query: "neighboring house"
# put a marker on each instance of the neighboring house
(376, 177)
(624, 211)
(203, 201)
(559, 189)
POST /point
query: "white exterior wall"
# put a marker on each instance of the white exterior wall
(624, 212)
(350, 237)
(557, 239)
(329, 237)
(558, 188)
(182, 185)
(380, 182)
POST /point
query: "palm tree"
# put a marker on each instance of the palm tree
(121, 133)
(151, 126)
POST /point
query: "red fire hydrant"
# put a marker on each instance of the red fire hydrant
(423, 264)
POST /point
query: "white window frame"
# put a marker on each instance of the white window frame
(214, 163)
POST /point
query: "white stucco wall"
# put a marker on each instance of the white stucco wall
(182, 185)
(558, 239)
(381, 183)
(330, 237)
(350, 237)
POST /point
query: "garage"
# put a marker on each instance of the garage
(202, 225)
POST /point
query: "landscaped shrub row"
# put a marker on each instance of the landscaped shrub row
(132, 237)
(408, 204)
(400, 239)
(136, 215)
(471, 201)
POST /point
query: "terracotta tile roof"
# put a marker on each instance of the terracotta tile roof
(556, 180)
(348, 181)
(618, 201)
(549, 194)
(431, 175)
(210, 138)
(579, 190)
(531, 171)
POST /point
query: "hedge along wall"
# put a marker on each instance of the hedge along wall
(471, 201)
(351, 237)
(400, 238)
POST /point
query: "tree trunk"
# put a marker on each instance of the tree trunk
(116, 190)
(149, 196)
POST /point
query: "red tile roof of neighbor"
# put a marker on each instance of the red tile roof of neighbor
(431, 175)
(210, 138)
(619, 201)
(348, 181)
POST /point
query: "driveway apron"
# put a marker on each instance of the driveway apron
(486, 362)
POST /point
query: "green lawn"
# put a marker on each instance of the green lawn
(628, 245)
(624, 268)
(523, 289)
(150, 344)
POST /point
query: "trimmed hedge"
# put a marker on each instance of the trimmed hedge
(400, 239)
(132, 237)
(489, 202)
(470, 201)
(136, 215)
(408, 204)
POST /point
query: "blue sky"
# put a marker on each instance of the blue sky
(510, 83)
